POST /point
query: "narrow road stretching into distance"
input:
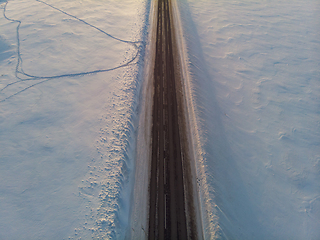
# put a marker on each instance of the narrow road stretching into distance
(167, 211)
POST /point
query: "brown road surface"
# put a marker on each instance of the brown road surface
(167, 212)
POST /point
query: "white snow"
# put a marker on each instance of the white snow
(140, 202)
(254, 70)
(69, 91)
(68, 111)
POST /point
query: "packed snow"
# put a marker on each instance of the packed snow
(70, 80)
(254, 82)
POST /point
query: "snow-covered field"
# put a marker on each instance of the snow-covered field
(255, 82)
(70, 83)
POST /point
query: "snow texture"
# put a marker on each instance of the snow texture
(71, 73)
(140, 204)
(70, 80)
(254, 82)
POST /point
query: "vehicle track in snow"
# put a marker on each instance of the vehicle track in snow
(22, 76)
(171, 210)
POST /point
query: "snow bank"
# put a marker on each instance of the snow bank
(140, 204)
(69, 88)
(254, 69)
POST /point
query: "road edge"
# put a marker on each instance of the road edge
(138, 227)
(189, 127)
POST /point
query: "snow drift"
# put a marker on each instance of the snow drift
(254, 69)
(70, 79)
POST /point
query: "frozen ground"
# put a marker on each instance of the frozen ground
(256, 87)
(69, 86)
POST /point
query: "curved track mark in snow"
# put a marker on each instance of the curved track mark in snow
(29, 77)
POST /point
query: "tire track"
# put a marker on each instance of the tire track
(22, 76)
(167, 200)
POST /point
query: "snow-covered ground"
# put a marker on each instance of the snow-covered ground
(255, 82)
(70, 84)
(69, 88)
